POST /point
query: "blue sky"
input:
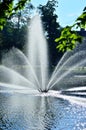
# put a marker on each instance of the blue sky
(67, 10)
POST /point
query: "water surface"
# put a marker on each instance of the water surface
(28, 112)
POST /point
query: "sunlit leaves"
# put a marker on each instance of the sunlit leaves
(68, 39)
(81, 20)
(7, 9)
(20, 5)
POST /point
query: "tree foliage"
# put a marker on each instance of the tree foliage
(81, 20)
(69, 37)
(12, 37)
(22, 17)
(49, 18)
(8, 8)
(51, 27)
(14, 33)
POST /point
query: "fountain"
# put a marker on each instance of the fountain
(31, 98)
(31, 72)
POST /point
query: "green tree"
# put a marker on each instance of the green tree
(69, 37)
(15, 30)
(8, 8)
(23, 16)
(21, 20)
(11, 36)
(51, 26)
(49, 18)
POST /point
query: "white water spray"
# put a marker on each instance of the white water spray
(31, 71)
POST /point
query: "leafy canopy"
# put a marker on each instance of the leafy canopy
(69, 37)
(49, 18)
(8, 8)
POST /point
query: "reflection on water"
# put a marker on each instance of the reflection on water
(26, 112)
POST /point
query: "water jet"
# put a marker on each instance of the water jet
(31, 98)
(32, 70)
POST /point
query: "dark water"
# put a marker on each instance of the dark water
(27, 112)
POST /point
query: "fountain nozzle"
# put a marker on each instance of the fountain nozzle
(44, 91)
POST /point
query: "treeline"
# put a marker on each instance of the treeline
(11, 36)
(14, 17)
(14, 34)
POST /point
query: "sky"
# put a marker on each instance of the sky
(67, 10)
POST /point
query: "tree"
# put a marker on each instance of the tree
(69, 37)
(8, 8)
(21, 20)
(23, 16)
(15, 30)
(51, 26)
